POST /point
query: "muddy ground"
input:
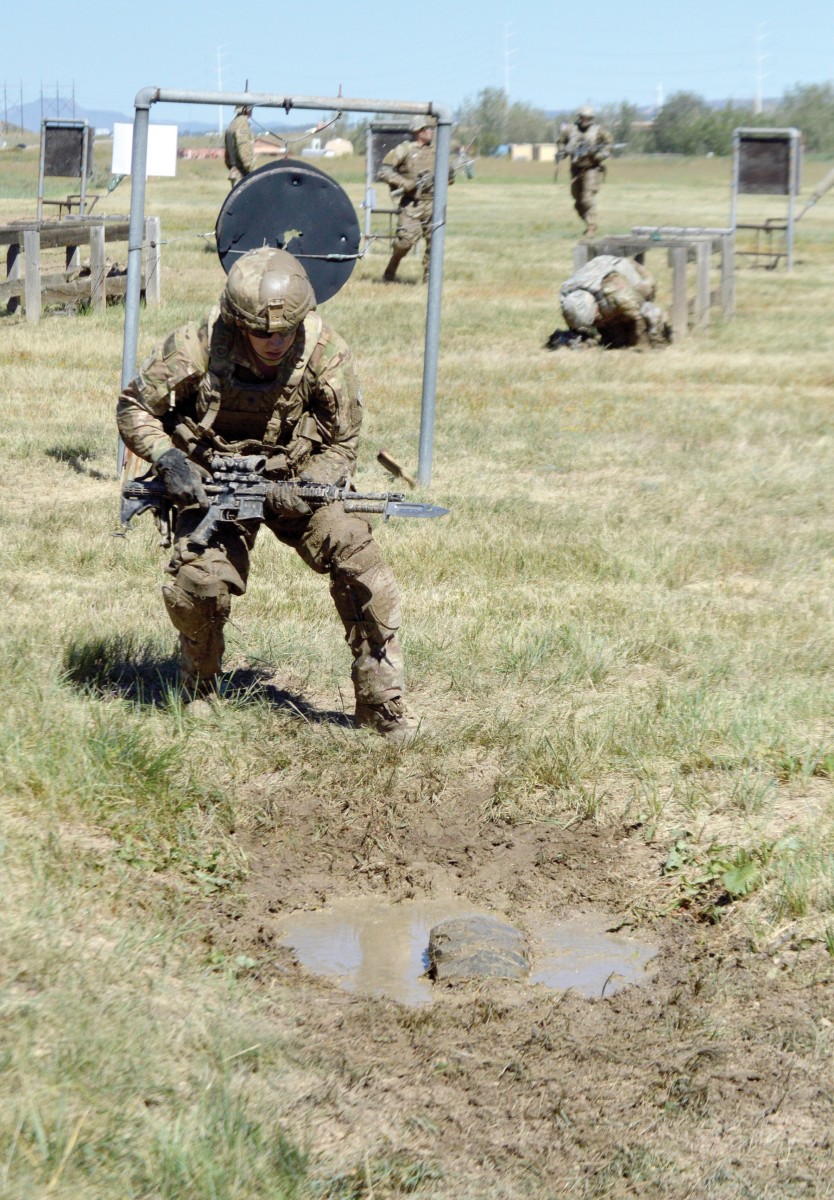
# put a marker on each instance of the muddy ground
(714, 1080)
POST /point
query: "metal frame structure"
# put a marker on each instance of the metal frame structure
(84, 128)
(377, 131)
(793, 138)
(152, 95)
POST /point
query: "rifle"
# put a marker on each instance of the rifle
(423, 182)
(238, 491)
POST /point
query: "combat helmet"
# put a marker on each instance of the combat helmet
(585, 116)
(579, 308)
(418, 123)
(267, 291)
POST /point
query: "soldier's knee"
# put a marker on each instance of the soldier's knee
(192, 614)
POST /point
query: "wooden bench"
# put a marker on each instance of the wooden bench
(683, 245)
(26, 239)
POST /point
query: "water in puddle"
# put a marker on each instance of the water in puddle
(381, 949)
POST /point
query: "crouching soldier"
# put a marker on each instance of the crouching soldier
(263, 374)
(611, 302)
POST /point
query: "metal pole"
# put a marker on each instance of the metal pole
(793, 168)
(435, 290)
(136, 229)
(41, 170)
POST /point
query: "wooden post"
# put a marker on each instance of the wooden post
(703, 254)
(680, 320)
(98, 268)
(728, 273)
(581, 254)
(32, 283)
(13, 265)
(153, 234)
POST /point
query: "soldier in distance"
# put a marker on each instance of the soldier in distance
(408, 170)
(240, 146)
(587, 145)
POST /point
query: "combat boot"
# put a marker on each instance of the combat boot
(391, 720)
(390, 273)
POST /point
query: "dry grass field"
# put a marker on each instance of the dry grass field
(620, 641)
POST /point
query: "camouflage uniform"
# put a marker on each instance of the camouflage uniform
(408, 170)
(306, 420)
(611, 300)
(240, 151)
(588, 146)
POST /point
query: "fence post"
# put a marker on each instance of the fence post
(580, 256)
(728, 273)
(32, 283)
(703, 254)
(153, 233)
(98, 268)
(680, 317)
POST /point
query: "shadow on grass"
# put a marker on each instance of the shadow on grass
(75, 457)
(131, 670)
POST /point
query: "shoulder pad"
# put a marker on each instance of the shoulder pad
(182, 356)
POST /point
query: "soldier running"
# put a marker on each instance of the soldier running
(264, 374)
(587, 145)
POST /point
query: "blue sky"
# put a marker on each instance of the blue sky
(552, 55)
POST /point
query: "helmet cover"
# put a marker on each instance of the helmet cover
(267, 291)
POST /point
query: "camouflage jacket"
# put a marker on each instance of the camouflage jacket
(586, 148)
(410, 166)
(204, 377)
(240, 152)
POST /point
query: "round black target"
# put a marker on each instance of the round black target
(294, 206)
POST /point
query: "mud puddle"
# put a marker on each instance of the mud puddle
(375, 948)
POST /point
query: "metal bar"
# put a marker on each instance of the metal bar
(435, 289)
(793, 168)
(85, 142)
(138, 167)
(148, 96)
(40, 174)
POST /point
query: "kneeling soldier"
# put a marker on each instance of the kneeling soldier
(611, 301)
(265, 375)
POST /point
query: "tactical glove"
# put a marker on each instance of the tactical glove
(283, 501)
(183, 482)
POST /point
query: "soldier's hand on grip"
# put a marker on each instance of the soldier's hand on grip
(283, 501)
(181, 479)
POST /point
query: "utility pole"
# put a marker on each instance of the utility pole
(508, 66)
(221, 124)
(760, 75)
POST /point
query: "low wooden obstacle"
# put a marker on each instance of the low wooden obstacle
(27, 281)
(683, 246)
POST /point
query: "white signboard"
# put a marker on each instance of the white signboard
(162, 149)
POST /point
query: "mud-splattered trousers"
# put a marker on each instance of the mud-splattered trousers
(306, 420)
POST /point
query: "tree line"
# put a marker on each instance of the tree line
(686, 124)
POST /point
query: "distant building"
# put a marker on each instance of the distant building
(532, 151)
(269, 148)
(338, 148)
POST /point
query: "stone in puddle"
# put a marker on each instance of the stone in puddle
(477, 948)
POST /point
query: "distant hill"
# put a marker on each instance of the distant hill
(99, 118)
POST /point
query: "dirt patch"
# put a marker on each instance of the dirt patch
(715, 1080)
